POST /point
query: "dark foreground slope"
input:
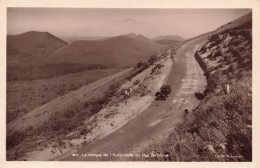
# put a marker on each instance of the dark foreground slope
(220, 128)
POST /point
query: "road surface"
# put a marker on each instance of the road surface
(159, 119)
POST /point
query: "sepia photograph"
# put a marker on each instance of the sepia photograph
(129, 84)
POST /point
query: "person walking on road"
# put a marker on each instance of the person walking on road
(126, 94)
(130, 92)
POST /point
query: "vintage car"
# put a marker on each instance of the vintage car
(164, 92)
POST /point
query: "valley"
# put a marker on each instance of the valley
(96, 98)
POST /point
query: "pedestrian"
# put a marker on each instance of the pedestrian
(126, 93)
(227, 88)
(130, 92)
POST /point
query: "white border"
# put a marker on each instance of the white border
(254, 4)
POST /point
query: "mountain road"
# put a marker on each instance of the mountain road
(157, 121)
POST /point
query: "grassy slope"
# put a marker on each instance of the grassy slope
(45, 71)
(27, 53)
(55, 130)
(219, 129)
(164, 40)
(31, 47)
(60, 124)
(118, 51)
(23, 96)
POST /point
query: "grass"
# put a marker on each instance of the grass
(46, 71)
(71, 120)
(60, 125)
(24, 96)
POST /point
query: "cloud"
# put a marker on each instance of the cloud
(129, 20)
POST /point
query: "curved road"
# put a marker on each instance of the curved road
(159, 119)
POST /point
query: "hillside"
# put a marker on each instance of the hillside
(240, 23)
(73, 39)
(220, 128)
(244, 21)
(82, 116)
(27, 58)
(125, 50)
(170, 39)
(31, 47)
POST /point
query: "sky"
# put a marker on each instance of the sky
(87, 22)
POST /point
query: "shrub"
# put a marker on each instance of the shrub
(213, 37)
(212, 44)
(218, 53)
(235, 41)
(139, 64)
(61, 91)
(86, 105)
(143, 67)
(236, 53)
(152, 59)
(247, 34)
(231, 68)
(69, 114)
(137, 82)
(96, 107)
(210, 56)
(242, 49)
(102, 101)
(14, 139)
(153, 70)
(84, 131)
(203, 49)
(233, 32)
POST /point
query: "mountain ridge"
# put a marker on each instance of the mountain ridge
(31, 47)
(120, 51)
(168, 37)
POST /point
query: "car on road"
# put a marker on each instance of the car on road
(163, 93)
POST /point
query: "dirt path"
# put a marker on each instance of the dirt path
(159, 119)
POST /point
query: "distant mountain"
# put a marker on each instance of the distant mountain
(124, 50)
(170, 39)
(73, 39)
(132, 35)
(139, 36)
(31, 47)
